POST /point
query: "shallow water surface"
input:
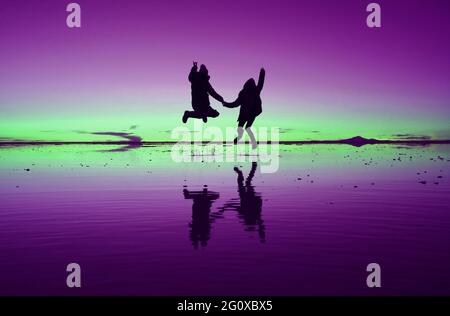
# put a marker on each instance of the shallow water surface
(138, 223)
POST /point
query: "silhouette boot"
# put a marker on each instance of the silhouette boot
(185, 116)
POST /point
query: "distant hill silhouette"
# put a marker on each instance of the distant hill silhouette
(358, 141)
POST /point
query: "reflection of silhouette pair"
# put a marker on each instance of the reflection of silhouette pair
(249, 99)
(248, 207)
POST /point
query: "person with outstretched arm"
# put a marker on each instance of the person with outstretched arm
(249, 99)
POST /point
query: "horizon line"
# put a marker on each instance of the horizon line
(355, 141)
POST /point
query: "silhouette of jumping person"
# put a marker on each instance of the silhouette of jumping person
(201, 208)
(201, 89)
(251, 106)
(249, 204)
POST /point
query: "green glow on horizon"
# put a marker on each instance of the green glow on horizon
(157, 126)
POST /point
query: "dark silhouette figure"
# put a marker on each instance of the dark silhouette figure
(201, 221)
(201, 89)
(249, 204)
(249, 100)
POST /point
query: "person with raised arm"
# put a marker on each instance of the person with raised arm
(249, 99)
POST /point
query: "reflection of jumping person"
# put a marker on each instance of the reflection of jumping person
(249, 204)
(201, 90)
(251, 106)
(201, 208)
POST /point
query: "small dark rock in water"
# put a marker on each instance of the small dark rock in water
(17, 186)
(299, 178)
(423, 182)
(27, 169)
(184, 186)
(205, 186)
(439, 177)
(355, 186)
(307, 175)
(418, 173)
(436, 183)
(312, 181)
(373, 183)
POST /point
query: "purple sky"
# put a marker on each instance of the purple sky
(315, 52)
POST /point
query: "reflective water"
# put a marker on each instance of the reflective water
(138, 223)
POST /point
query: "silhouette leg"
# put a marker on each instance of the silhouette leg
(240, 131)
(210, 113)
(213, 112)
(251, 174)
(240, 179)
(252, 137)
(193, 114)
